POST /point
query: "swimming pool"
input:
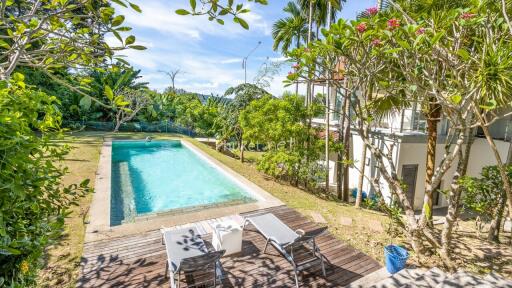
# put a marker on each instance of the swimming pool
(161, 176)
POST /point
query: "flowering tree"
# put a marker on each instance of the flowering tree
(390, 60)
(53, 34)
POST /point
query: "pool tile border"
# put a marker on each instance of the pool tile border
(99, 227)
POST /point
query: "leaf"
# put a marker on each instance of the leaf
(456, 99)
(118, 20)
(135, 7)
(464, 54)
(129, 40)
(9, 251)
(33, 23)
(403, 44)
(18, 77)
(220, 21)
(118, 2)
(242, 23)
(182, 12)
(85, 103)
(491, 104)
(193, 5)
(137, 47)
(4, 44)
(124, 29)
(437, 37)
(117, 35)
(109, 93)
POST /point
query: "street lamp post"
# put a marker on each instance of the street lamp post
(244, 61)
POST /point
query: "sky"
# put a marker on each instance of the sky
(208, 55)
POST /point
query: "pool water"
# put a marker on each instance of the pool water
(158, 176)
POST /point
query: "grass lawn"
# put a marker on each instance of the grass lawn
(363, 229)
(63, 259)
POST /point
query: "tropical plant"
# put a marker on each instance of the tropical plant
(103, 84)
(290, 30)
(33, 202)
(49, 35)
(228, 126)
(281, 124)
(136, 100)
(485, 195)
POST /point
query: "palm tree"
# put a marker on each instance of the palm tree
(321, 10)
(291, 29)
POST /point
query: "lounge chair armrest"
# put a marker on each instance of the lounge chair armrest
(311, 235)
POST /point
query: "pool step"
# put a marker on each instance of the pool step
(127, 194)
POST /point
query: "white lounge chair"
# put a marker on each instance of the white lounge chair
(187, 253)
(285, 240)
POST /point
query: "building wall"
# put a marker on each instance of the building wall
(415, 153)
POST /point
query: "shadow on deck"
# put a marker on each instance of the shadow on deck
(139, 261)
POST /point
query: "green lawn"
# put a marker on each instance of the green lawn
(62, 260)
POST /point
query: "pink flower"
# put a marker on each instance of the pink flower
(467, 16)
(372, 10)
(393, 23)
(361, 27)
(290, 73)
(376, 42)
(420, 31)
(295, 66)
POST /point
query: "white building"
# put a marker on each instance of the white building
(407, 132)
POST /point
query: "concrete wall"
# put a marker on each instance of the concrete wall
(415, 153)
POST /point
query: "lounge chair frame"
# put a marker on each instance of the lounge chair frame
(307, 239)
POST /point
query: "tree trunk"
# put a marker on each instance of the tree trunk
(454, 201)
(359, 197)
(118, 121)
(241, 146)
(362, 167)
(340, 168)
(494, 229)
(346, 138)
(297, 82)
(433, 115)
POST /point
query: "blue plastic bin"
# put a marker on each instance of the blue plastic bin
(395, 257)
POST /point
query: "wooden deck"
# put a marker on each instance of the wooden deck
(139, 261)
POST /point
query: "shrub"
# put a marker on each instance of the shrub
(33, 203)
(291, 166)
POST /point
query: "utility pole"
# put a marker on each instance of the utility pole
(310, 31)
(327, 109)
(244, 61)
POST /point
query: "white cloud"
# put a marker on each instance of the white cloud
(231, 60)
(195, 45)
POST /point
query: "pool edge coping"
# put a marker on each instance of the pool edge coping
(98, 226)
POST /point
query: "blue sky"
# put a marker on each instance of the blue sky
(209, 55)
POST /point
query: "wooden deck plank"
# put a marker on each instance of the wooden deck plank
(139, 260)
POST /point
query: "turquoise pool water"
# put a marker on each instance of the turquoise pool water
(159, 176)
